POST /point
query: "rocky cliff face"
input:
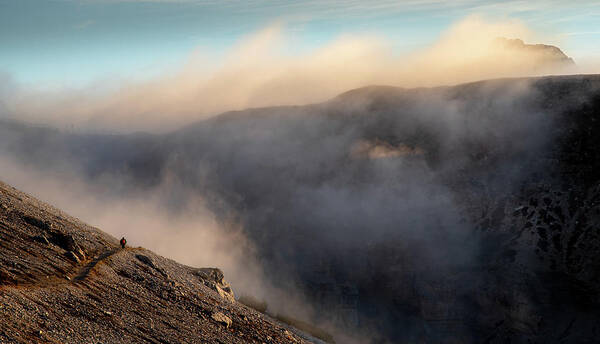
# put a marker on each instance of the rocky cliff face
(535, 274)
(62, 281)
(453, 214)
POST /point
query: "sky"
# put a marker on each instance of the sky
(70, 43)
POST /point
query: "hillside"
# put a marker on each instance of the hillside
(62, 281)
(449, 214)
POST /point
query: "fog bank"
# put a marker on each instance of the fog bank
(258, 72)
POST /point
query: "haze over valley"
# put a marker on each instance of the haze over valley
(441, 192)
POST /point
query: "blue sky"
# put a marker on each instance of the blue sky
(73, 42)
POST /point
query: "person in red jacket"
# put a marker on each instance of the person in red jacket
(123, 242)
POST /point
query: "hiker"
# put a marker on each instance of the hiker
(123, 242)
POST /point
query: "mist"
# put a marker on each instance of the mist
(278, 197)
(258, 72)
(373, 189)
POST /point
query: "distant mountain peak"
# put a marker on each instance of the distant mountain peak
(547, 53)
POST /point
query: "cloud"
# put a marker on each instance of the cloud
(581, 33)
(258, 72)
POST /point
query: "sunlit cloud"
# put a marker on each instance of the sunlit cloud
(258, 72)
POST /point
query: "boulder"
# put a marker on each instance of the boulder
(215, 280)
(226, 294)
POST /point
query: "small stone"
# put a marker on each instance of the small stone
(222, 318)
(79, 253)
(289, 336)
(72, 256)
(41, 239)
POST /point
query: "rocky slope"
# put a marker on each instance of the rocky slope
(62, 281)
